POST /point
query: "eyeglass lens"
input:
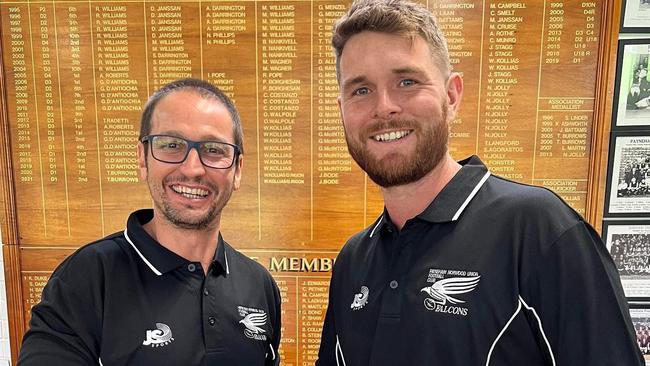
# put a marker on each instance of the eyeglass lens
(172, 149)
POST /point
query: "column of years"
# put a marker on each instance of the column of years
(282, 77)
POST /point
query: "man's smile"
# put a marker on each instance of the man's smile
(192, 193)
(391, 136)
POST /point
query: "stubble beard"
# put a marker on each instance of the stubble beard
(178, 216)
(397, 169)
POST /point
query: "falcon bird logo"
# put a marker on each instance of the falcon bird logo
(253, 323)
(440, 291)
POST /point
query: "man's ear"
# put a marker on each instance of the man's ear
(238, 169)
(454, 95)
(142, 161)
(338, 102)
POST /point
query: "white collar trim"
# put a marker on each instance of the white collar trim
(471, 195)
(154, 269)
(376, 226)
(225, 255)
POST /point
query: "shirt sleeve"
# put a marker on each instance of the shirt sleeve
(577, 302)
(328, 348)
(330, 352)
(62, 330)
(273, 356)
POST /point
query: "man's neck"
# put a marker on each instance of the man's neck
(193, 245)
(407, 201)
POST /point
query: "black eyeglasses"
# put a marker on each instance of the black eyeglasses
(174, 150)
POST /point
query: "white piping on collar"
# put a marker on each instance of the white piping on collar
(272, 351)
(154, 269)
(225, 255)
(471, 195)
(376, 226)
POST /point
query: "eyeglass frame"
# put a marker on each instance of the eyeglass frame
(191, 144)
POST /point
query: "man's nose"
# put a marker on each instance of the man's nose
(387, 105)
(192, 166)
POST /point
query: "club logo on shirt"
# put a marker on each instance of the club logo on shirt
(446, 285)
(159, 337)
(361, 299)
(253, 320)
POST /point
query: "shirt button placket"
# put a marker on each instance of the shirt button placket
(213, 336)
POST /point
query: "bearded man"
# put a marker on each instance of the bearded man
(463, 268)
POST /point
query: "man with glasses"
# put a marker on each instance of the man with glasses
(462, 268)
(168, 290)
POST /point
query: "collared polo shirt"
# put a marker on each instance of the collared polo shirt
(127, 300)
(492, 272)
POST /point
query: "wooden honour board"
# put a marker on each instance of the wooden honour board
(75, 76)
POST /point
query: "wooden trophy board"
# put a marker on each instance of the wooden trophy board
(75, 77)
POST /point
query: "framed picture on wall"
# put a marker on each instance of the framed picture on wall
(628, 243)
(640, 315)
(636, 16)
(632, 88)
(628, 177)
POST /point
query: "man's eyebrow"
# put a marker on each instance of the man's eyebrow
(176, 133)
(362, 79)
(355, 80)
(170, 133)
(407, 70)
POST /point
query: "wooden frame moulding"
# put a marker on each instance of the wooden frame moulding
(601, 128)
(8, 226)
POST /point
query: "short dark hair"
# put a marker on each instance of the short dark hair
(205, 90)
(397, 17)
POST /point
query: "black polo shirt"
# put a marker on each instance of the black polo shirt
(492, 272)
(127, 300)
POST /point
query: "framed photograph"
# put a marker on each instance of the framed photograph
(628, 243)
(632, 88)
(636, 16)
(628, 178)
(641, 322)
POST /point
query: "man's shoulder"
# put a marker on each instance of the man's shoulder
(106, 247)
(365, 234)
(358, 242)
(96, 254)
(529, 198)
(243, 262)
(527, 206)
